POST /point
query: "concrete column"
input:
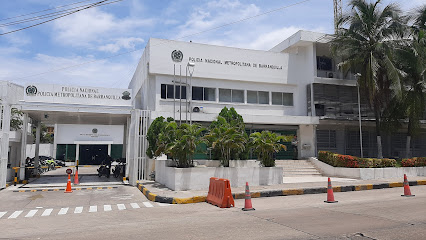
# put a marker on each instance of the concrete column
(4, 147)
(307, 143)
(109, 149)
(23, 145)
(77, 153)
(37, 146)
(55, 144)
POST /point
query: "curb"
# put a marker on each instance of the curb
(275, 193)
(63, 189)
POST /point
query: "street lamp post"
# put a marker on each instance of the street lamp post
(357, 76)
(190, 68)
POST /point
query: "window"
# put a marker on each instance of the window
(258, 97)
(167, 91)
(326, 139)
(202, 93)
(285, 99)
(251, 96)
(231, 95)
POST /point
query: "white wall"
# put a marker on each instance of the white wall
(68, 133)
(46, 149)
(307, 141)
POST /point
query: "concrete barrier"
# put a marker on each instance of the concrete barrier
(197, 178)
(368, 173)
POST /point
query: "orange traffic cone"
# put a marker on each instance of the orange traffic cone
(76, 177)
(330, 194)
(247, 204)
(407, 191)
(68, 190)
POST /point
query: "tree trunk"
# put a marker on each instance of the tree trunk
(378, 131)
(408, 143)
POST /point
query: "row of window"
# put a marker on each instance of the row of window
(226, 95)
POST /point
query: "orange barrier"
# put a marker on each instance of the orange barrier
(220, 193)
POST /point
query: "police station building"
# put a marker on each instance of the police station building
(293, 89)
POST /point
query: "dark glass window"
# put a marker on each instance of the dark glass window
(209, 94)
(163, 91)
(169, 91)
(197, 93)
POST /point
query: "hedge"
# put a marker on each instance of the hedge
(339, 160)
(414, 162)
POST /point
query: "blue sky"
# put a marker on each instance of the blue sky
(96, 34)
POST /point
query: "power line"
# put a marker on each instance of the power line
(4, 19)
(64, 15)
(190, 35)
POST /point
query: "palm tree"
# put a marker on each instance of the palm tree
(265, 144)
(365, 40)
(413, 63)
(226, 139)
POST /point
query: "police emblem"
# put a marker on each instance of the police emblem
(177, 56)
(31, 90)
(126, 95)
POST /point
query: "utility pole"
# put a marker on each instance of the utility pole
(337, 13)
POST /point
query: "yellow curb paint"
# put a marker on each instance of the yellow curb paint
(337, 189)
(421, 182)
(293, 192)
(255, 194)
(182, 200)
(24, 181)
(21, 190)
(55, 190)
(140, 187)
(45, 190)
(144, 191)
(33, 190)
(369, 186)
(198, 199)
(89, 188)
(99, 187)
(396, 184)
(78, 189)
(239, 195)
(109, 187)
(151, 197)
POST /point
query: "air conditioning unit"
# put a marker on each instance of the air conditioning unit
(197, 109)
(330, 75)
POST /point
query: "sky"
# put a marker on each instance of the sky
(100, 47)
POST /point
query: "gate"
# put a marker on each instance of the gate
(137, 161)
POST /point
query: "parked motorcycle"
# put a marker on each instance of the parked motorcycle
(104, 170)
(119, 168)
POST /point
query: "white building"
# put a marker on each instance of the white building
(272, 90)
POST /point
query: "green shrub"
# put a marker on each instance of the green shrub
(339, 160)
(414, 162)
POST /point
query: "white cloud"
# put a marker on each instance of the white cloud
(93, 27)
(106, 73)
(126, 43)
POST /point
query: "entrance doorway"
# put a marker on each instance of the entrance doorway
(92, 154)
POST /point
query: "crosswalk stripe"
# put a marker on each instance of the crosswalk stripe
(15, 214)
(63, 211)
(147, 204)
(164, 204)
(47, 212)
(93, 209)
(107, 208)
(2, 214)
(121, 206)
(31, 213)
(134, 205)
(78, 210)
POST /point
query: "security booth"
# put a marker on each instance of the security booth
(89, 123)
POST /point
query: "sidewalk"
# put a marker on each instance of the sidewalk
(292, 186)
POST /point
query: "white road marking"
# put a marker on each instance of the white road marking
(15, 214)
(93, 209)
(47, 212)
(164, 204)
(107, 208)
(147, 204)
(63, 211)
(134, 205)
(78, 210)
(2, 214)
(31, 213)
(121, 207)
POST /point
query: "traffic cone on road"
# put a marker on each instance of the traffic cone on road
(68, 190)
(407, 191)
(76, 177)
(247, 204)
(330, 194)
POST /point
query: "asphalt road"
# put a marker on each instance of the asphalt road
(373, 214)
